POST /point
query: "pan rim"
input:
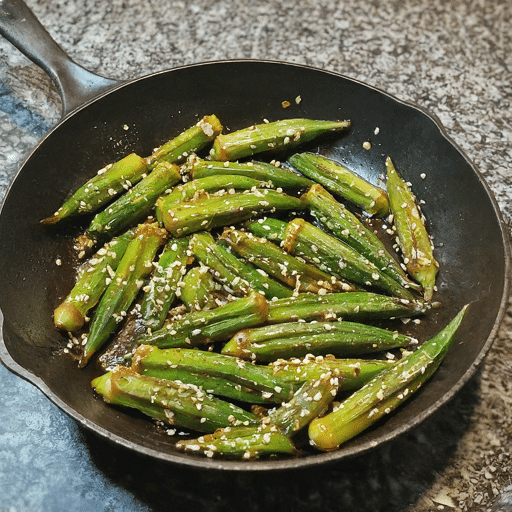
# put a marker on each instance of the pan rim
(279, 464)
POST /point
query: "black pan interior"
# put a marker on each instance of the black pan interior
(141, 115)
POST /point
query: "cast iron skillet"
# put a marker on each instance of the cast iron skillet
(463, 216)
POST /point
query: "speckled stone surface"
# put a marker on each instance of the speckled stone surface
(453, 58)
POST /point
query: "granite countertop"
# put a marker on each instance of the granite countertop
(452, 58)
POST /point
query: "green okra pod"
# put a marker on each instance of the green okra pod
(160, 292)
(202, 327)
(199, 290)
(173, 403)
(133, 206)
(136, 263)
(162, 363)
(387, 391)
(212, 384)
(308, 402)
(352, 373)
(215, 211)
(297, 339)
(102, 188)
(338, 179)
(335, 257)
(273, 136)
(334, 217)
(278, 176)
(413, 238)
(269, 228)
(195, 138)
(353, 306)
(299, 275)
(92, 281)
(276, 429)
(236, 275)
(240, 443)
(210, 184)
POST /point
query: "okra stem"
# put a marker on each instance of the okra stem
(413, 238)
(136, 263)
(102, 188)
(273, 136)
(338, 179)
(384, 393)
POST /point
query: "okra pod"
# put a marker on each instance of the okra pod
(299, 275)
(160, 292)
(92, 281)
(133, 206)
(202, 327)
(413, 238)
(214, 385)
(236, 275)
(161, 363)
(338, 179)
(195, 138)
(136, 263)
(274, 433)
(334, 217)
(269, 228)
(384, 393)
(335, 257)
(211, 184)
(102, 188)
(308, 402)
(199, 290)
(353, 306)
(210, 212)
(352, 373)
(297, 339)
(240, 443)
(278, 176)
(173, 403)
(273, 136)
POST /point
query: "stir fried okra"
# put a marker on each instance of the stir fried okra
(248, 300)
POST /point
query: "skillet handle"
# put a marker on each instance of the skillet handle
(76, 85)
